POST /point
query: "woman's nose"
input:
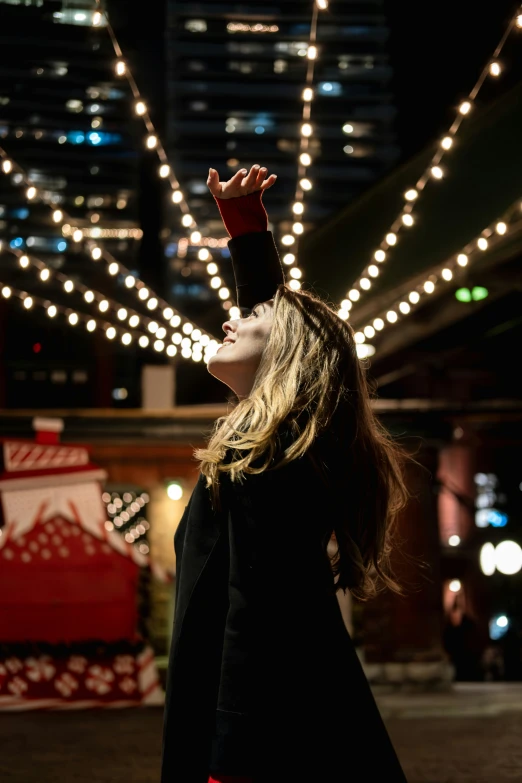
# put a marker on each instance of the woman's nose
(228, 327)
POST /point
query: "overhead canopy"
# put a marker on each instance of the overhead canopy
(483, 177)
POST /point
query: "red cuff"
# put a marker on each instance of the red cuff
(229, 779)
(243, 215)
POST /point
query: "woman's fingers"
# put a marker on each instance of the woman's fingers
(251, 179)
(213, 182)
(268, 182)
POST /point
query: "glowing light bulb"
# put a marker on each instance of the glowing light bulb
(429, 287)
(96, 253)
(379, 256)
(289, 258)
(52, 311)
(140, 108)
(151, 141)
(308, 94)
(305, 184)
(57, 215)
(96, 18)
(177, 197)
(28, 302)
(447, 142)
(6, 292)
(159, 345)
(407, 219)
(369, 332)
(501, 228)
(188, 328)
(152, 326)
(126, 338)
(152, 303)
(354, 294)
(110, 333)
(77, 235)
(447, 274)
(45, 275)
(414, 297)
(519, 20)
(365, 283)
(91, 325)
(212, 268)
(298, 208)
(288, 239)
(298, 228)
(113, 268)
(168, 313)
(295, 284)
(164, 171)
(347, 127)
(411, 194)
(295, 272)
(24, 261)
(143, 293)
(224, 293)
(482, 243)
(68, 286)
(404, 308)
(187, 220)
(379, 324)
(312, 52)
(305, 159)
(171, 350)
(7, 166)
(322, 4)
(495, 69)
(373, 270)
(306, 129)
(120, 68)
(195, 237)
(462, 259)
(465, 107)
(143, 341)
(103, 306)
(134, 321)
(122, 313)
(392, 316)
(130, 281)
(215, 282)
(73, 319)
(203, 254)
(391, 238)
(359, 337)
(30, 192)
(437, 172)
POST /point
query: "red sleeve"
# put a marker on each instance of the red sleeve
(243, 215)
(229, 779)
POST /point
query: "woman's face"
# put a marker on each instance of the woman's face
(237, 359)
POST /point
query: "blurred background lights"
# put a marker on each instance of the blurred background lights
(174, 490)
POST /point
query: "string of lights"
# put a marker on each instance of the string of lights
(434, 171)
(106, 304)
(97, 251)
(188, 348)
(446, 272)
(304, 184)
(166, 170)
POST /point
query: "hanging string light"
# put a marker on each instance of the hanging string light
(446, 272)
(152, 139)
(434, 171)
(304, 184)
(97, 251)
(104, 304)
(197, 350)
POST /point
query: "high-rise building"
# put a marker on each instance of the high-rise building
(236, 73)
(66, 120)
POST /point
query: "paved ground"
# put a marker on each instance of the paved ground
(470, 736)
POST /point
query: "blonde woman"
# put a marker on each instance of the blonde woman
(264, 683)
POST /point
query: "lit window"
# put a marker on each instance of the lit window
(196, 25)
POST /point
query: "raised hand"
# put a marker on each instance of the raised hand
(241, 184)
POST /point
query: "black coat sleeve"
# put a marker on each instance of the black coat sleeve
(257, 268)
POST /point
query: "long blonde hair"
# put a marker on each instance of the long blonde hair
(312, 386)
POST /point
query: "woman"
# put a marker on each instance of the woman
(264, 683)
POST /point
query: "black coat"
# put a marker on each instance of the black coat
(263, 676)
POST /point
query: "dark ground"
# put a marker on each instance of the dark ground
(123, 746)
